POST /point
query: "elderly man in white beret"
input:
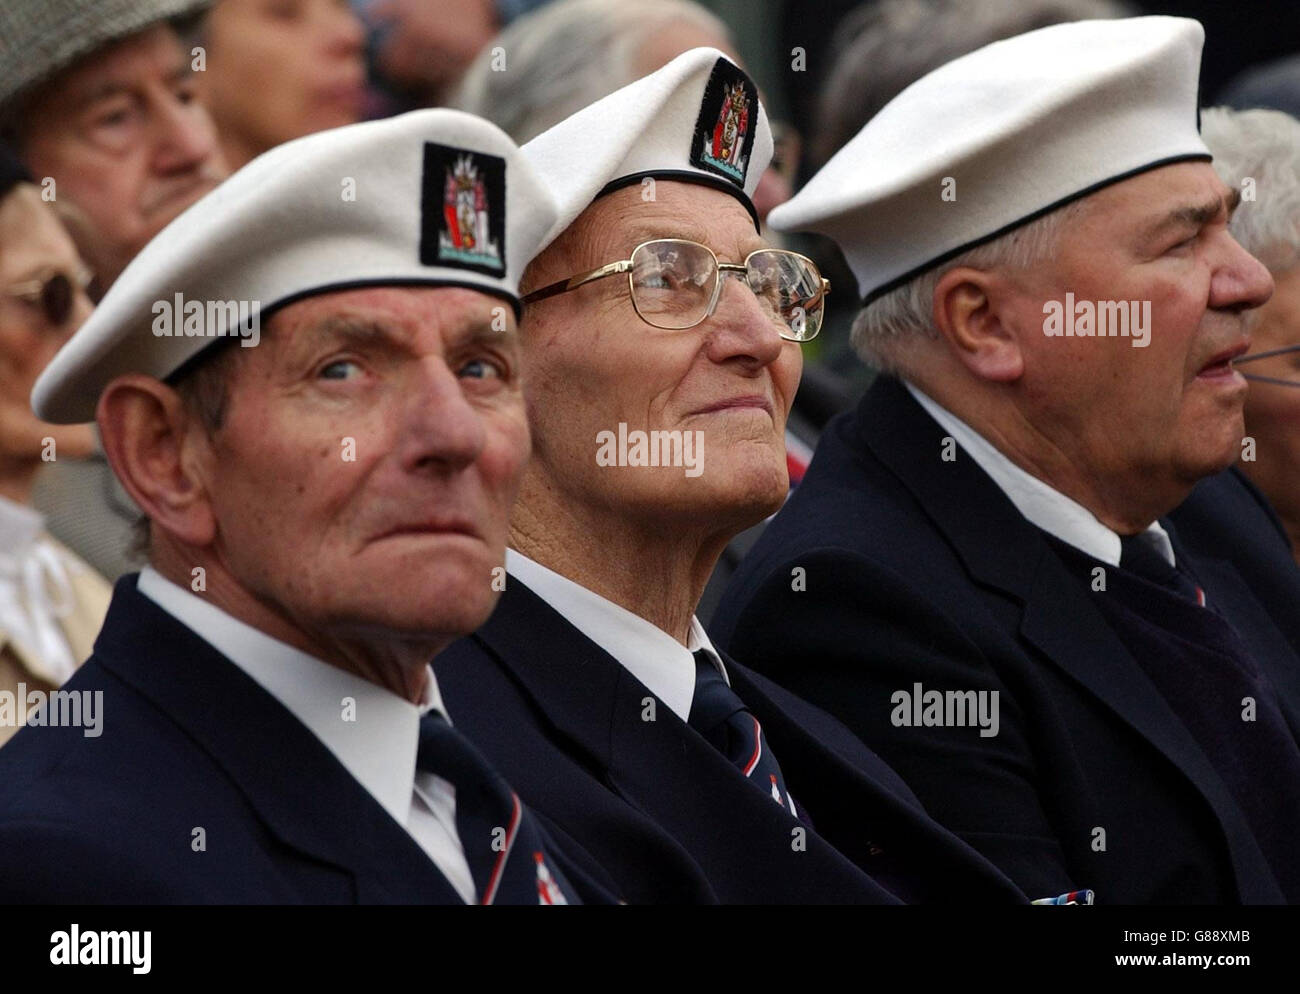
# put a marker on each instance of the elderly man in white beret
(991, 593)
(662, 338)
(310, 382)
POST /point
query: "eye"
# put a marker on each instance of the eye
(1185, 244)
(340, 369)
(113, 115)
(482, 369)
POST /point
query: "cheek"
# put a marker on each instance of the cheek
(786, 372)
(502, 461)
(294, 473)
(110, 197)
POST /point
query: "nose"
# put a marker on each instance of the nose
(441, 431)
(740, 331)
(186, 136)
(1241, 281)
(345, 34)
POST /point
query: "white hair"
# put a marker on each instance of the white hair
(565, 56)
(1263, 147)
(887, 330)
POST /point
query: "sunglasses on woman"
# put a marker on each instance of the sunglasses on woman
(54, 295)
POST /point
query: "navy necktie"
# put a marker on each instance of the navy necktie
(504, 846)
(1140, 557)
(724, 721)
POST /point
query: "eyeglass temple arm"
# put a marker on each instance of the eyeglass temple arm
(1266, 355)
(1255, 378)
(573, 282)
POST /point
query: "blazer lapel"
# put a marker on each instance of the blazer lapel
(306, 797)
(660, 766)
(1225, 586)
(844, 784)
(1058, 616)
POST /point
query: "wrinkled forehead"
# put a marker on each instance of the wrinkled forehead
(1186, 189)
(619, 221)
(413, 318)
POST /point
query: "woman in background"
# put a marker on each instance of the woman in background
(280, 69)
(51, 602)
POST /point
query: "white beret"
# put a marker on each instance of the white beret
(430, 198)
(698, 119)
(1001, 136)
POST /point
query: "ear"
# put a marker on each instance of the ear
(161, 454)
(973, 312)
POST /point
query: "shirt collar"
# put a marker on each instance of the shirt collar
(1041, 504)
(373, 732)
(19, 527)
(654, 657)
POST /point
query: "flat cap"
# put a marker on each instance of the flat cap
(1001, 136)
(430, 198)
(698, 119)
(40, 37)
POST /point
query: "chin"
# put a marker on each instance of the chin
(748, 492)
(441, 586)
(1209, 461)
(426, 614)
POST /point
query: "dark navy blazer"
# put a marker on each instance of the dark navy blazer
(920, 570)
(190, 741)
(663, 811)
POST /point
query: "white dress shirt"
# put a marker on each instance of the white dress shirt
(35, 591)
(1041, 504)
(654, 657)
(378, 748)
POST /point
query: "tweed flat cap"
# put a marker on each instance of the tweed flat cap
(40, 37)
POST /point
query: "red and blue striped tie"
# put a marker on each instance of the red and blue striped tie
(723, 720)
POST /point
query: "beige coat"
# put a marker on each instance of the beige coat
(91, 594)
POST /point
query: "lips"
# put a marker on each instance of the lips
(1221, 363)
(349, 93)
(751, 401)
(180, 193)
(436, 527)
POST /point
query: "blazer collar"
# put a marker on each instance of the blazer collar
(656, 765)
(1059, 618)
(300, 790)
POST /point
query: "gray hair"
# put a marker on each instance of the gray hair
(1262, 146)
(887, 330)
(888, 45)
(565, 56)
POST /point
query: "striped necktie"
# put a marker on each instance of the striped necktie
(726, 724)
(1140, 557)
(505, 847)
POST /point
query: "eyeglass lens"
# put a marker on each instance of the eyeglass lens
(673, 283)
(56, 298)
